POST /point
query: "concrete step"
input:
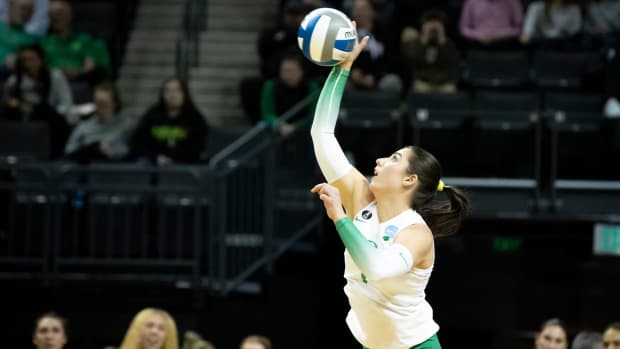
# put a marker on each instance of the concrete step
(150, 58)
(266, 3)
(233, 49)
(214, 73)
(212, 59)
(235, 24)
(157, 23)
(163, 10)
(137, 71)
(162, 46)
(224, 36)
(139, 34)
(246, 11)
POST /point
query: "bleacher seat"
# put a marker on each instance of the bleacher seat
(558, 69)
(508, 139)
(497, 69)
(438, 122)
(579, 145)
(14, 148)
(368, 126)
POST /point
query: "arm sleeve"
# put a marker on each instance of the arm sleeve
(63, 98)
(329, 154)
(466, 22)
(534, 10)
(376, 264)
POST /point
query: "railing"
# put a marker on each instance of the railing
(192, 24)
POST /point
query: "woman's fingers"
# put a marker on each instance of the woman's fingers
(317, 188)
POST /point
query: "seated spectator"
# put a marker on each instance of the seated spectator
(552, 335)
(603, 18)
(172, 131)
(432, 56)
(102, 136)
(370, 69)
(281, 94)
(13, 36)
(273, 42)
(192, 340)
(587, 340)
(491, 23)
(255, 342)
(36, 23)
(34, 92)
(50, 332)
(151, 329)
(553, 24)
(611, 336)
(78, 55)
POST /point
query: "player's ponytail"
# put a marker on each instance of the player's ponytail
(442, 206)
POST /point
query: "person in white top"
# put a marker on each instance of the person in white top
(387, 225)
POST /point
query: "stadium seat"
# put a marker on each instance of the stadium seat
(12, 145)
(496, 69)
(369, 126)
(558, 69)
(439, 124)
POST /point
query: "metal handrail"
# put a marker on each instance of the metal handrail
(254, 132)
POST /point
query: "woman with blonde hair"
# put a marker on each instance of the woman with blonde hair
(151, 328)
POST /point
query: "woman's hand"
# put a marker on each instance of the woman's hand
(357, 49)
(330, 196)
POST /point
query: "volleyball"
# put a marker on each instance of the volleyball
(326, 36)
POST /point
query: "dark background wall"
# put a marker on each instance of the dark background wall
(493, 284)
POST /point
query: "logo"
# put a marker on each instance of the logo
(366, 214)
(349, 34)
(391, 231)
(357, 219)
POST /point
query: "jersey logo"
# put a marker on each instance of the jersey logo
(366, 214)
(357, 219)
(390, 231)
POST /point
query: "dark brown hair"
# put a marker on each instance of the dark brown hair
(443, 215)
(110, 87)
(613, 326)
(554, 322)
(51, 315)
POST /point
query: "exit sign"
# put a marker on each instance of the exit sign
(606, 239)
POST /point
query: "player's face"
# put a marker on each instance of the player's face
(611, 339)
(173, 94)
(391, 171)
(153, 333)
(49, 334)
(551, 337)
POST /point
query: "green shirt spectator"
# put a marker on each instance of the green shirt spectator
(11, 39)
(78, 55)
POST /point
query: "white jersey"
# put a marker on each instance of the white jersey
(391, 313)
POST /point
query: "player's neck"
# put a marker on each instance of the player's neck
(388, 208)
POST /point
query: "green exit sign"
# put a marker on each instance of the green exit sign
(506, 244)
(606, 239)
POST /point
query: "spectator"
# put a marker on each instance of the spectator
(255, 342)
(37, 21)
(281, 94)
(50, 332)
(611, 336)
(273, 42)
(491, 23)
(552, 335)
(173, 130)
(603, 18)
(78, 55)
(587, 340)
(432, 56)
(151, 329)
(37, 93)
(192, 340)
(368, 68)
(552, 24)
(103, 136)
(13, 36)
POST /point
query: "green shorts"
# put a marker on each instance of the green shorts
(431, 343)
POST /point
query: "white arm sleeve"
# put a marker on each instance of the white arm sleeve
(329, 154)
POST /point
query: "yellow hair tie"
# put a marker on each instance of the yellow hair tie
(440, 185)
